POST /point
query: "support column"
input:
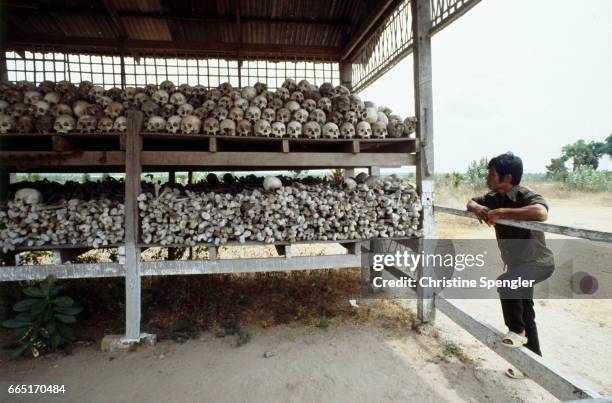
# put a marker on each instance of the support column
(346, 74)
(133, 170)
(421, 26)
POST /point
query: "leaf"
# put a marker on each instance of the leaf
(24, 305)
(19, 351)
(26, 317)
(65, 318)
(22, 333)
(65, 331)
(55, 341)
(63, 301)
(51, 327)
(73, 310)
(33, 292)
(14, 324)
(38, 307)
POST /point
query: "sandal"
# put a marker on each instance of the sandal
(516, 340)
(510, 373)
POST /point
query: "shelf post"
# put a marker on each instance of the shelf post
(421, 26)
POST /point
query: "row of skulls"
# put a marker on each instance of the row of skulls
(293, 110)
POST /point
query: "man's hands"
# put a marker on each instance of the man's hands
(485, 214)
(482, 213)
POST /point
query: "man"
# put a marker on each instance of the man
(523, 251)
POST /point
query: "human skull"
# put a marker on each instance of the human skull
(7, 123)
(263, 128)
(225, 102)
(282, 93)
(141, 97)
(260, 87)
(185, 89)
(185, 110)
(198, 90)
(248, 93)
(80, 108)
(336, 117)
(260, 101)
(190, 125)
(31, 97)
(166, 111)
(292, 106)
(150, 108)
(312, 130)
(87, 124)
(200, 113)
(228, 127)
(327, 90)
(44, 124)
(324, 104)
(342, 90)
(167, 86)
(364, 130)
(283, 115)
(156, 124)
(61, 109)
(211, 127)
(275, 104)
(95, 93)
(161, 97)
(318, 116)
(40, 108)
(297, 96)
(52, 98)
(104, 100)
(289, 84)
(173, 124)
(278, 129)
(379, 130)
(410, 125)
(244, 128)
(150, 89)
(219, 113)
(225, 88)
(17, 110)
(214, 95)
(309, 104)
(114, 110)
(25, 124)
(253, 114)
(382, 118)
(105, 124)
(46, 86)
(331, 131)
(369, 114)
(395, 128)
(209, 106)
(236, 114)
(303, 86)
(128, 93)
(386, 110)
(347, 130)
(356, 104)
(294, 129)
(177, 99)
(242, 104)
(341, 103)
(301, 115)
(351, 117)
(370, 104)
(271, 183)
(269, 115)
(29, 196)
(3, 105)
(120, 124)
(64, 124)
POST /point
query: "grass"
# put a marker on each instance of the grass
(450, 349)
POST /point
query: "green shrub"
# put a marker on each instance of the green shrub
(477, 172)
(43, 319)
(587, 178)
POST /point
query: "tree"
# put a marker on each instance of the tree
(582, 153)
(477, 172)
(557, 169)
(455, 178)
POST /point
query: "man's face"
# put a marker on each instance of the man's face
(494, 182)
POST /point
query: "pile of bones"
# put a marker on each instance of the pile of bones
(249, 208)
(295, 110)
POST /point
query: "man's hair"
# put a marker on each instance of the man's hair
(508, 163)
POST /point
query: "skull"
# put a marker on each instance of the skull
(13, 96)
(177, 99)
(141, 97)
(253, 114)
(331, 131)
(209, 106)
(213, 95)
(289, 84)
(7, 123)
(228, 127)
(52, 98)
(201, 113)
(297, 96)
(236, 94)
(364, 130)
(64, 124)
(395, 128)
(303, 86)
(128, 94)
(312, 130)
(156, 124)
(294, 129)
(336, 117)
(309, 104)
(386, 110)
(190, 125)
(84, 88)
(282, 94)
(242, 104)
(275, 104)
(379, 130)
(341, 104)
(25, 85)
(161, 97)
(226, 88)
(269, 115)
(115, 94)
(225, 102)
(219, 113)
(382, 118)
(342, 90)
(351, 117)
(114, 110)
(292, 106)
(3, 105)
(236, 114)
(248, 93)
(410, 125)
(185, 110)
(40, 108)
(46, 86)
(150, 108)
(87, 123)
(44, 124)
(260, 87)
(105, 124)
(278, 129)
(326, 90)
(370, 104)
(173, 124)
(95, 92)
(301, 115)
(17, 110)
(150, 89)
(31, 97)
(211, 126)
(80, 108)
(167, 86)
(325, 104)
(95, 110)
(185, 89)
(356, 104)
(263, 128)
(120, 124)
(369, 115)
(166, 111)
(104, 100)
(318, 116)
(244, 128)
(25, 124)
(283, 115)
(198, 90)
(260, 101)
(347, 130)
(61, 109)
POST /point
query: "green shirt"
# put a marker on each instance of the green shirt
(518, 245)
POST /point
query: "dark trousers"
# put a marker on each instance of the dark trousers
(517, 304)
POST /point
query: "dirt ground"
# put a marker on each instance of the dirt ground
(368, 360)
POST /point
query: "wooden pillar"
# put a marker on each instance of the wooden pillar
(133, 170)
(346, 74)
(421, 26)
(3, 69)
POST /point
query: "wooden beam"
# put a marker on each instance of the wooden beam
(421, 25)
(118, 24)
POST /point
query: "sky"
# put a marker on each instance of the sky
(527, 76)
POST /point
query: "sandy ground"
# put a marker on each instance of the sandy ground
(347, 361)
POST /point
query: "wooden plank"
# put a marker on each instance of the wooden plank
(212, 145)
(285, 145)
(133, 170)
(421, 15)
(64, 271)
(593, 235)
(62, 159)
(61, 143)
(355, 146)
